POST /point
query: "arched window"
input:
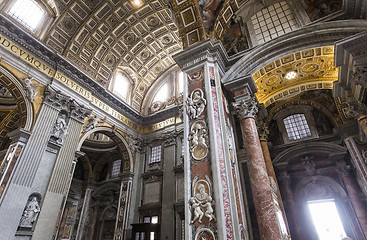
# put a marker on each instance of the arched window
(162, 93)
(121, 86)
(35, 16)
(27, 12)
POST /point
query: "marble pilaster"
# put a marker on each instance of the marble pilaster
(59, 183)
(27, 177)
(208, 167)
(123, 206)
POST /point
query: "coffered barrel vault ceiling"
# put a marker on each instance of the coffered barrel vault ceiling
(313, 68)
(102, 36)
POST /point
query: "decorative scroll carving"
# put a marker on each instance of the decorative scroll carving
(30, 213)
(134, 143)
(59, 130)
(198, 138)
(201, 204)
(246, 108)
(195, 104)
(78, 111)
(29, 88)
(309, 165)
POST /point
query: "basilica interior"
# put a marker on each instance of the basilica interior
(183, 119)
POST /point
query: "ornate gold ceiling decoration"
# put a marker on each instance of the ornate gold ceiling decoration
(313, 68)
(101, 36)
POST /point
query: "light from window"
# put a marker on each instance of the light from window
(121, 86)
(326, 219)
(180, 82)
(146, 220)
(155, 219)
(116, 168)
(156, 154)
(162, 94)
(27, 12)
(297, 127)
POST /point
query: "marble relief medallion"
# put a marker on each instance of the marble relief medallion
(195, 104)
(201, 203)
(198, 138)
(204, 234)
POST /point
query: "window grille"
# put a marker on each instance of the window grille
(156, 154)
(297, 127)
(273, 21)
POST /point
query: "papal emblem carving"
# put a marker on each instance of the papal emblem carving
(198, 138)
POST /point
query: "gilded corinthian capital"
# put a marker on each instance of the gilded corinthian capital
(246, 108)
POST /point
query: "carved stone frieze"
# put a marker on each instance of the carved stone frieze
(247, 108)
(201, 202)
(195, 104)
(198, 138)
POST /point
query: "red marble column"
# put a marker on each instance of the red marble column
(261, 190)
(285, 180)
(271, 173)
(356, 199)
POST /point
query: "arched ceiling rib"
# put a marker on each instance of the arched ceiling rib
(100, 36)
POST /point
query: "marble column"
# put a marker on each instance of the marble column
(293, 210)
(262, 193)
(355, 195)
(211, 187)
(123, 206)
(270, 169)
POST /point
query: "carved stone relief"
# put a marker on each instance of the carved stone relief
(30, 213)
(198, 138)
(196, 76)
(246, 108)
(201, 203)
(195, 104)
(30, 88)
(92, 123)
(204, 234)
(60, 128)
(309, 165)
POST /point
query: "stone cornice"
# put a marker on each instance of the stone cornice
(58, 62)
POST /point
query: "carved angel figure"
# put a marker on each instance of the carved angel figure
(198, 137)
(29, 87)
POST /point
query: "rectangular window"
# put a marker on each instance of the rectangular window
(297, 127)
(116, 168)
(156, 154)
